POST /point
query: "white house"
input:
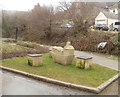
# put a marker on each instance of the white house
(114, 9)
(108, 17)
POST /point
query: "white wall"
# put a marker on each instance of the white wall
(116, 11)
(100, 16)
(110, 21)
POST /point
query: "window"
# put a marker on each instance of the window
(117, 23)
(114, 11)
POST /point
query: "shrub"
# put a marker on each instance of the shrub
(115, 40)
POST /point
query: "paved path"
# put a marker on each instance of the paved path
(100, 59)
(15, 84)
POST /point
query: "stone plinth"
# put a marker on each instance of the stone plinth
(62, 59)
(83, 62)
(35, 59)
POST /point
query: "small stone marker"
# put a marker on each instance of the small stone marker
(35, 59)
(83, 62)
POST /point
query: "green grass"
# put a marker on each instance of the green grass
(22, 43)
(27, 44)
(9, 50)
(91, 77)
(8, 40)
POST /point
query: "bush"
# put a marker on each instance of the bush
(115, 40)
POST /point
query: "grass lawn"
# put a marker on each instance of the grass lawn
(21, 43)
(22, 46)
(92, 77)
(9, 50)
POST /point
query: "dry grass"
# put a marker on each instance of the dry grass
(9, 50)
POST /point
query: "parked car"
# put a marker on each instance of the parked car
(66, 26)
(94, 26)
(116, 26)
(101, 27)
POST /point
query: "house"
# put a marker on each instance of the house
(108, 17)
(114, 9)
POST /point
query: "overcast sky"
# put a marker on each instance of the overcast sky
(26, 4)
(29, 4)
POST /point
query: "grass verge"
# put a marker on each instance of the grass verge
(91, 77)
(28, 44)
(9, 50)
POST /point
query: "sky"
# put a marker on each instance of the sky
(24, 5)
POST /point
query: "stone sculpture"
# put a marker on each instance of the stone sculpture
(64, 55)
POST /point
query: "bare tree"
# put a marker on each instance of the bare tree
(79, 13)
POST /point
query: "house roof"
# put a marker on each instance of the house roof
(110, 15)
(114, 6)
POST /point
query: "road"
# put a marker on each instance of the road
(15, 84)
